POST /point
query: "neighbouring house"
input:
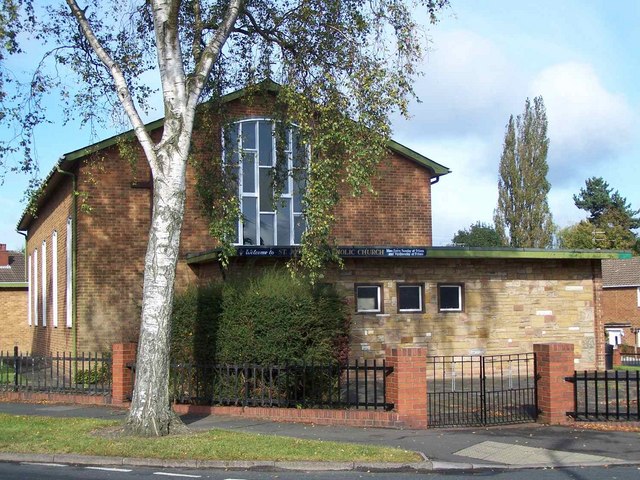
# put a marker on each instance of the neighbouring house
(13, 300)
(621, 301)
(85, 267)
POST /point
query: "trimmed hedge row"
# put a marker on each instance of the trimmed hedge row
(264, 320)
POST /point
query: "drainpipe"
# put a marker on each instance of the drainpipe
(74, 263)
(26, 254)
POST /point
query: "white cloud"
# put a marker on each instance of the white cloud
(587, 123)
(468, 87)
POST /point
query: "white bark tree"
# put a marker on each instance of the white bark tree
(338, 61)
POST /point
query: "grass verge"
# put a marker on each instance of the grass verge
(628, 368)
(22, 434)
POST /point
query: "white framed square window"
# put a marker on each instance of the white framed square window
(410, 297)
(450, 297)
(368, 298)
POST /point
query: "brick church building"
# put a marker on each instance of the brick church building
(85, 267)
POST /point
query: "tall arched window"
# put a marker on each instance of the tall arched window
(250, 148)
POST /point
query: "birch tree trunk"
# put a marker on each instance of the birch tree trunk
(150, 413)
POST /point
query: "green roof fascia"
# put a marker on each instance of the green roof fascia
(96, 147)
(268, 85)
(437, 169)
(14, 284)
(466, 252)
(525, 253)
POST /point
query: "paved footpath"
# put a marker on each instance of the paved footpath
(467, 449)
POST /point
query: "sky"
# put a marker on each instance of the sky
(485, 58)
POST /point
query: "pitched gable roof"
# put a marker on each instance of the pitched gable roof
(68, 160)
(621, 273)
(15, 271)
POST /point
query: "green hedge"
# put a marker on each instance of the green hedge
(267, 319)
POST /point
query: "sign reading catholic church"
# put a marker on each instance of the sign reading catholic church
(342, 251)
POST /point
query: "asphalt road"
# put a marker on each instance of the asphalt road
(28, 471)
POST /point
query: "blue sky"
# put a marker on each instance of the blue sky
(485, 58)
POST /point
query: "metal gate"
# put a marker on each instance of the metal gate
(481, 390)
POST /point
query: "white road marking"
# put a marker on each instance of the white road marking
(109, 469)
(44, 464)
(177, 475)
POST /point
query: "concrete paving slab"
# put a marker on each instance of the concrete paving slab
(510, 454)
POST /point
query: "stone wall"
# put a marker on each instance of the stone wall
(509, 305)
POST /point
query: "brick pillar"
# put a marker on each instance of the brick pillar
(554, 362)
(617, 357)
(407, 385)
(122, 376)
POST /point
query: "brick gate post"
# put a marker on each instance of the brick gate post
(407, 385)
(554, 362)
(122, 376)
(617, 357)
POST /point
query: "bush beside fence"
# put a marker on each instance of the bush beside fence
(357, 385)
(87, 374)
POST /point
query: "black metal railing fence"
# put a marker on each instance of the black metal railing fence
(630, 359)
(606, 395)
(88, 373)
(361, 385)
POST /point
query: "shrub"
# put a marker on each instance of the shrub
(264, 319)
(194, 323)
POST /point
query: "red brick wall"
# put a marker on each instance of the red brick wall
(112, 240)
(113, 226)
(13, 318)
(52, 216)
(398, 214)
(620, 305)
(554, 363)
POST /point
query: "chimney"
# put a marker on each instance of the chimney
(4, 255)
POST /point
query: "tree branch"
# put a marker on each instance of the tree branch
(120, 82)
(212, 52)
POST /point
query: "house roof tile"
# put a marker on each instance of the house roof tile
(621, 273)
(15, 271)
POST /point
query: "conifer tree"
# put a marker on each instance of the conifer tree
(522, 216)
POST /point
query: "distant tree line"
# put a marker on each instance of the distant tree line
(522, 217)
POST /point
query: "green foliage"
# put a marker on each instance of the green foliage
(522, 217)
(479, 234)
(587, 235)
(194, 323)
(265, 319)
(611, 220)
(95, 375)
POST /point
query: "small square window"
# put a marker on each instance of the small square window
(410, 298)
(368, 298)
(450, 298)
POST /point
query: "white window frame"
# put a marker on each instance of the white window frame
(289, 190)
(638, 296)
(29, 292)
(420, 288)
(44, 283)
(36, 298)
(69, 273)
(460, 288)
(54, 278)
(379, 297)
